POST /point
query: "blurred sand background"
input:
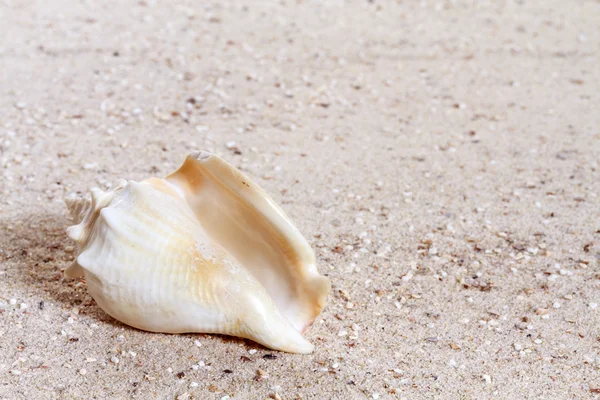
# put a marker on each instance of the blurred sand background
(442, 157)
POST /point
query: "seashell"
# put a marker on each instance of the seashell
(204, 250)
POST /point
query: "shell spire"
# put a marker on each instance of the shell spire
(77, 207)
(204, 250)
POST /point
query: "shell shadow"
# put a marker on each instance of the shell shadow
(36, 250)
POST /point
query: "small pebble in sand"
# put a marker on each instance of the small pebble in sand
(230, 144)
(556, 304)
(88, 166)
(15, 372)
(197, 343)
(593, 306)
(260, 375)
(114, 360)
(537, 341)
(517, 346)
(487, 379)
(13, 302)
(23, 306)
(193, 385)
(253, 351)
(375, 395)
(82, 371)
(90, 360)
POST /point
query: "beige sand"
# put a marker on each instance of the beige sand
(442, 157)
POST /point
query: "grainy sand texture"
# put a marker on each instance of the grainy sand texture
(441, 157)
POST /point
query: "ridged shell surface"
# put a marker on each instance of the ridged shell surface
(204, 250)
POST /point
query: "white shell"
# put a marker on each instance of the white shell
(204, 250)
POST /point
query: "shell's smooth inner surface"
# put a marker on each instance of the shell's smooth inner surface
(220, 200)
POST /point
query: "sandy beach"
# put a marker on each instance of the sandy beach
(441, 157)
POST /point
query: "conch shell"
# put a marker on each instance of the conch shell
(204, 250)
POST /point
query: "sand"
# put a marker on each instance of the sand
(442, 158)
